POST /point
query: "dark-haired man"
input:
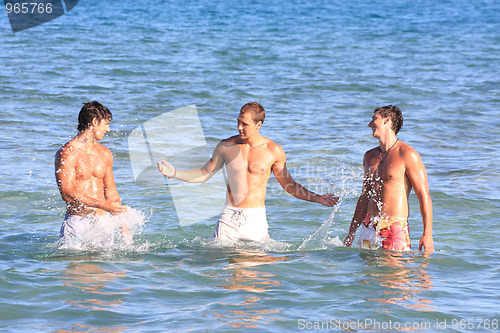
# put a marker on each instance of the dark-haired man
(84, 175)
(391, 170)
(249, 158)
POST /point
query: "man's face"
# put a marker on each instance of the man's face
(100, 128)
(376, 124)
(246, 126)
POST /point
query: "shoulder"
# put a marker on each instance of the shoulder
(371, 153)
(103, 151)
(273, 147)
(407, 151)
(229, 141)
(226, 143)
(68, 150)
(411, 158)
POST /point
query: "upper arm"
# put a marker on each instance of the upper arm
(417, 175)
(279, 166)
(216, 162)
(65, 172)
(110, 190)
(367, 177)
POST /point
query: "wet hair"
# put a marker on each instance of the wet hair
(90, 111)
(395, 113)
(256, 110)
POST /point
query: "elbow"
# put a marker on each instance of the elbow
(67, 194)
(205, 176)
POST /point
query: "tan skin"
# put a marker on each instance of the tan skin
(250, 158)
(84, 175)
(391, 171)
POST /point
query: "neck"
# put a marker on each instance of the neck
(86, 138)
(253, 141)
(387, 142)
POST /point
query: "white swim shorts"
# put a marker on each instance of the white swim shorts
(87, 229)
(242, 223)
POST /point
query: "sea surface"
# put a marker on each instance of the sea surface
(319, 68)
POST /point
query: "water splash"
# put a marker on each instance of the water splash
(105, 234)
(316, 241)
(343, 176)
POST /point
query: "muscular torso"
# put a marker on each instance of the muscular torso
(388, 186)
(85, 170)
(248, 171)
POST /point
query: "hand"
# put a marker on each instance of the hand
(166, 169)
(427, 242)
(115, 207)
(328, 200)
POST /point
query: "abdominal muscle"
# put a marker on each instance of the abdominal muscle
(92, 188)
(391, 200)
(253, 195)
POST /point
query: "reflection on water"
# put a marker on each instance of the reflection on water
(402, 278)
(91, 279)
(77, 328)
(242, 274)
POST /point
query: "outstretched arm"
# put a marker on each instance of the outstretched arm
(291, 186)
(196, 175)
(417, 174)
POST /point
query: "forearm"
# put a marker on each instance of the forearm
(359, 213)
(80, 200)
(426, 212)
(300, 192)
(357, 219)
(192, 176)
(426, 242)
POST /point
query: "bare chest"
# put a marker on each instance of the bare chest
(387, 169)
(90, 165)
(252, 160)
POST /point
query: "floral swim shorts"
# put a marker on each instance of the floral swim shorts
(390, 233)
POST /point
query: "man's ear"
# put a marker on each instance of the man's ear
(95, 122)
(259, 124)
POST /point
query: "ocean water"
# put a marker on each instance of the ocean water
(319, 68)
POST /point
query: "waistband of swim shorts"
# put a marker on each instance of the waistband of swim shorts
(246, 210)
(375, 220)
